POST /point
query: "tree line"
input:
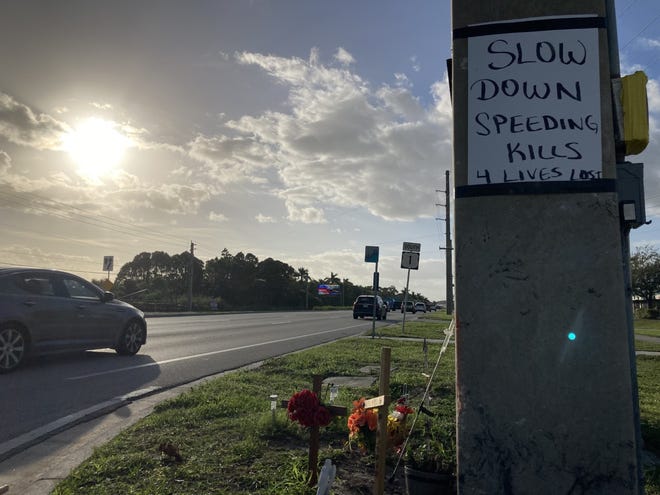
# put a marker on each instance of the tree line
(645, 271)
(241, 281)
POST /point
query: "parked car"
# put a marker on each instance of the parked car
(408, 307)
(364, 306)
(420, 306)
(47, 311)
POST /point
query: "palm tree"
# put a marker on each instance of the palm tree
(302, 273)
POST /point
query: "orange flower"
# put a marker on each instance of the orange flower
(372, 419)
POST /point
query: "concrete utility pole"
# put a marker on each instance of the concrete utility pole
(546, 400)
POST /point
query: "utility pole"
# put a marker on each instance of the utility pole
(190, 275)
(449, 272)
(306, 291)
(543, 366)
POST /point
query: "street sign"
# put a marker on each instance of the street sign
(410, 260)
(375, 280)
(411, 247)
(108, 263)
(371, 254)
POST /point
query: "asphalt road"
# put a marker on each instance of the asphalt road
(50, 391)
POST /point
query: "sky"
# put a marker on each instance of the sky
(298, 130)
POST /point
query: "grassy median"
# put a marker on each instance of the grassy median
(231, 443)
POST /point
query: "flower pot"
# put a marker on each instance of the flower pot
(425, 483)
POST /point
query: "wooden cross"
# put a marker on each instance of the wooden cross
(314, 436)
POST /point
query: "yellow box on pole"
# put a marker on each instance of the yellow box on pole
(635, 112)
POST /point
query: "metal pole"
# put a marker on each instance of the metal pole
(373, 317)
(405, 300)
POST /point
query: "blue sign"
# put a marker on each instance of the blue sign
(371, 254)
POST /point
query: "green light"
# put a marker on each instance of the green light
(571, 336)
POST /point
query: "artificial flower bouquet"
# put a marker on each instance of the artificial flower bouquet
(305, 408)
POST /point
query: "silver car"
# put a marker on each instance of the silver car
(47, 311)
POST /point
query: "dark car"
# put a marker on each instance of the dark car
(47, 311)
(408, 307)
(364, 306)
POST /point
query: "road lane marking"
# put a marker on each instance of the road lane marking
(204, 354)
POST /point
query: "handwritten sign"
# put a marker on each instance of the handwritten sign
(375, 402)
(534, 110)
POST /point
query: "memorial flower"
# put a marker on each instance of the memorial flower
(362, 425)
(305, 408)
(397, 427)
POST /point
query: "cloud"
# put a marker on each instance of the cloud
(217, 217)
(649, 43)
(345, 144)
(101, 106)
(20, 125)
(264, 219)
(343, 57)
(402, 79)
(5, 163)
(179, 199)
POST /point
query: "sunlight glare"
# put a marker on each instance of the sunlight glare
(96, 147)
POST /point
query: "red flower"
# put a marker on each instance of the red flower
(305, 408)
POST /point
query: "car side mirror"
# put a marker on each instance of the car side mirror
(107, 297)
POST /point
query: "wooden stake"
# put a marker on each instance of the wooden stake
(314, 438)
(383, 411)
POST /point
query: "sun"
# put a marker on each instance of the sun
(96, 146)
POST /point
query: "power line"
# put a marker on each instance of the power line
(640, 33)
(63, 211)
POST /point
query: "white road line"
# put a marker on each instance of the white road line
(204, 354)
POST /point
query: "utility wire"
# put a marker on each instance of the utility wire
(640, 33)
(50, 207)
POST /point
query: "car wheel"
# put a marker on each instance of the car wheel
(131, 338)
(13, 347)
(355, 317)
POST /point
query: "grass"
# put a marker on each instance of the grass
(232, 444)
(647, 327)
(229, 439)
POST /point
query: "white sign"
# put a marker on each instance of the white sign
(108, 263)
(534, 107)
(410, 260)
(412, 247)
(375, 402)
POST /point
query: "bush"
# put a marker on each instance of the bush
(647, 314)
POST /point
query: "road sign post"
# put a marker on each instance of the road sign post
(108, 264)
(409, 261)
(371, 256)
